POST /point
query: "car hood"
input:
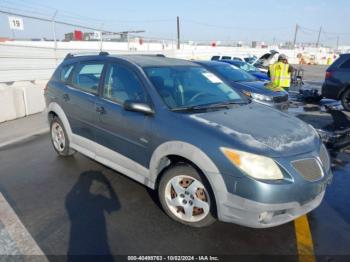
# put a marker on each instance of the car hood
(266, 58)
(260, 75)
(259, 129)
(256, 87)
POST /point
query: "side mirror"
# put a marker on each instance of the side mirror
(136, 106)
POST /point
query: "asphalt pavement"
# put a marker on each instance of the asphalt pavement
(76, 206)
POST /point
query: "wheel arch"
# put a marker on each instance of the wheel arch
(54, 109)
(344, 89)
(181, 152)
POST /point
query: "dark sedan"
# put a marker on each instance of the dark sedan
(337, 83)
(247, 84)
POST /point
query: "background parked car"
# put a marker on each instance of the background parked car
(247, 84)
(265, 60)
(337, 81)
(248, 68)
(226, 57)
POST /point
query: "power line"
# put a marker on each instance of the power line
(77, 25)
(232, 27)
(78, 17)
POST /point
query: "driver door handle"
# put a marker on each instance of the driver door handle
(100, 109)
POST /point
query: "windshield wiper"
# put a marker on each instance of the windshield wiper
(226, 104)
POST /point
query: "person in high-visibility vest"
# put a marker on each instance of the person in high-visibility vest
(280, 73)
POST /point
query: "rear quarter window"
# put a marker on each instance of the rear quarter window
(345, 64)
(65, 72)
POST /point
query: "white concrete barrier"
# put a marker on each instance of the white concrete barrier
(33, 97)
(11, 103)
(21, 99)
(41, 83)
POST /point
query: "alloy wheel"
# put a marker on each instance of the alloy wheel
(187, 198)
(58, 138)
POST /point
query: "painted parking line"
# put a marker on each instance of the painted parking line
(21, 239)
(305, 246)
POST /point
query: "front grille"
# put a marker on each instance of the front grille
(280, 99)
(309, 169)
(324, 157)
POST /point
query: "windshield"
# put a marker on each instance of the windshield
(233, 73)
(250, 59)
(247, 67)
(188, 86)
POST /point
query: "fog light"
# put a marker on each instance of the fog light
(265, 217)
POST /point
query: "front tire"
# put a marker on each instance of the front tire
(345, 100)
(59, 138)
(186, 197)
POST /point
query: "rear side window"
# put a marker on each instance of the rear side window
(346, 64)
(65, 72)
(215, 57)
(87, 77)
(226, 57)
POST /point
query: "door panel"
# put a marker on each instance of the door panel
(81, 114)
(125, 132)
(80, 96)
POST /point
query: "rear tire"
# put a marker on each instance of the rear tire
(345, 99)
(186, 196)
(59, 138)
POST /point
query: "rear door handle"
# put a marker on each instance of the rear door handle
(100, 109)
(65, 97)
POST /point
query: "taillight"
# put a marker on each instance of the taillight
(328, 74)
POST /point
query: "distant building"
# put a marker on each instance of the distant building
(74, 36)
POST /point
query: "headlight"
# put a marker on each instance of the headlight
(261, 97)
(256, 166)
(324, 157)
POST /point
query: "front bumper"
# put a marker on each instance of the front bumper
(258, 204)
(259, 215)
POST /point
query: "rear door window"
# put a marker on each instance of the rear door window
(87, 77)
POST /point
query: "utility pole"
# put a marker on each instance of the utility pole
(54, 29)
(318, 37)
(178, 32)
(101, 37)
(295, 35)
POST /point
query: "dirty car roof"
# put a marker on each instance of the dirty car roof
(155, 61)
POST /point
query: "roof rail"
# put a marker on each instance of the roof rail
(71, 55)
(158, 55)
